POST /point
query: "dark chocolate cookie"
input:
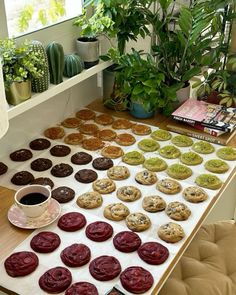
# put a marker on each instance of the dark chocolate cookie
(99, 231)
(3, 168)
(43, 181)
(153, 253)
(41, 164)
(86, 175)
(102, 163)
(126, 241)
(71, 221)
(105, 268)
(20, 264)
(63, 194)
(45, 242)
(22, 178)
(39, 144)
(60, 150)
(55, 280)
(136, 279)
(76, 255)
(21, 155)
(61, 170)
(82, 288)
(81, 158)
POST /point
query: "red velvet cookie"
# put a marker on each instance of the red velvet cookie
(153, 253)
(82, 288)
(55, 280)
(99, 231)
(71, 221)
(76, 255)
(20, 264)
(105, 268)
(45, 242)
(127, 241)
(136, 279)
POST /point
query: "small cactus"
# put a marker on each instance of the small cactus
(55, 55)
(73, 65)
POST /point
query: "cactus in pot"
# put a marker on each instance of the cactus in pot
(42, 83)
(55, 55)
(73, 65)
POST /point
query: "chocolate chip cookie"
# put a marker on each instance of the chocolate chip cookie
(116, 211)
(128, 193)
(90, 200)
(169, 186)
(138, 222)
(118, 173)
(104, 186)
(178, 211)
(171, 232)
(194, 194)
(146, 177)
(153, 204)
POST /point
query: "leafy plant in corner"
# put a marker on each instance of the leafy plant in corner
(19, 62)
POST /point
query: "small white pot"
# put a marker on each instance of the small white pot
(183, 94)
(88, 50)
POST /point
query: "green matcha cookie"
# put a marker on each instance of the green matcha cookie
(208, 181)
(216, 166)
(227, 153)
(161, 135)
(169, 152)
(133, 158)
(148, 145)
(191, 158)
(155, 164)
(179, 171)
(182, 141)
(203, 147)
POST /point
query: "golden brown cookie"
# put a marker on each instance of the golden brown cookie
(138, 222)
(153, 204)
(104, 186)
(122, 124)
(171, 232)
(178, 211)
(86, 114)
(146, 177)
(128, 193)
(118, 173)
(112, 152)
(106, 134)
(74, 138)
(194, 194)
(89, 200)
(141, 129)
(104, 119)
(169, 186)
(92, 144)
(125, 139)
(54, 132)
(89, 129)
(116, 211)
(71, 122)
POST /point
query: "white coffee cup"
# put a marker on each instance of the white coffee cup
(33, 200)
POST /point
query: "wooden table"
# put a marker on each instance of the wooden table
(11, 236)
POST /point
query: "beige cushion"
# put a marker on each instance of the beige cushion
(208, 267)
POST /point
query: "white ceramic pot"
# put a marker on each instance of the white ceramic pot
(183, 94)
(88, 50)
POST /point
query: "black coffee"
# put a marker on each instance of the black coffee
(33, 199)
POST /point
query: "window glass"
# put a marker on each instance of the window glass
(26, 16)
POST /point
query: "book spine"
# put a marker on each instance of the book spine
(208, 130)
(192, 122)
(197, 135)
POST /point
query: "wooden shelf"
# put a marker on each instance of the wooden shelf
(53, 90)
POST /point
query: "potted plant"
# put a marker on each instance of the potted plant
(20, 64)
(140, 83)
(185, 38)
(91, 27)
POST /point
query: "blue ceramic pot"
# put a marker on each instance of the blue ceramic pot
(137, 110)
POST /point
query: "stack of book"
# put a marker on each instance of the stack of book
(207, 121)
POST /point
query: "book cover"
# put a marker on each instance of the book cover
(208, 114)
(185, 129)
(211, 131)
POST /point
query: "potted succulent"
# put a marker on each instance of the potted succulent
(91, 27)
(20, 64)
(140, 83)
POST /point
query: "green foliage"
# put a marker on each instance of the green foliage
(45, 16)
(93, 26)
(19, 62)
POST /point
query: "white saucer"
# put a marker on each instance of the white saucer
(17, 217)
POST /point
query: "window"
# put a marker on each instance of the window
(27, 16)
